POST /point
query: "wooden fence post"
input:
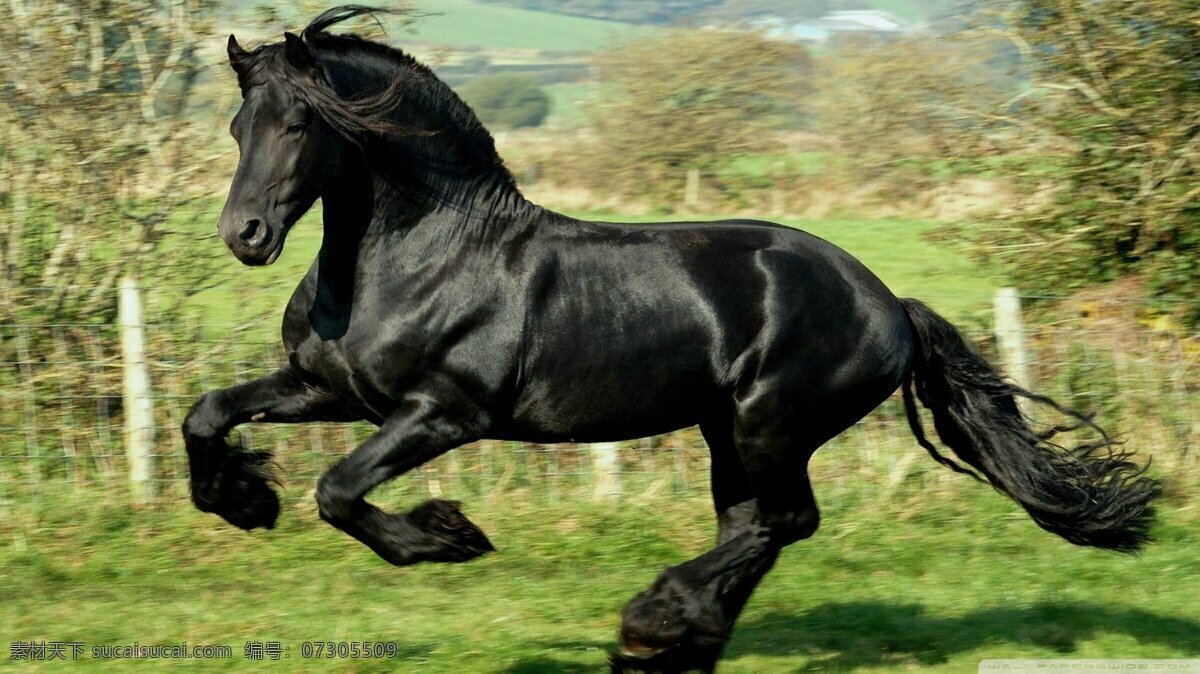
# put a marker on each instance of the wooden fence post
(691, 188)
(138, 406)
(606, 470)
(1010, 336)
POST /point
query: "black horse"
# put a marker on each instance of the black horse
(444, 307)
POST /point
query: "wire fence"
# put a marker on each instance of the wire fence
(63, 408)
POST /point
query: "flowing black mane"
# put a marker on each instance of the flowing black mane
(374, 117)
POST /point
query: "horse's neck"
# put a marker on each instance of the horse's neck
(449, 213)
(366, 211)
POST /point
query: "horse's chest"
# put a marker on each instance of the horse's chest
(352, 371)
(324, 342)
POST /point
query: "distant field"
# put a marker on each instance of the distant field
(913, 10)
(467, 24)
(462, 23)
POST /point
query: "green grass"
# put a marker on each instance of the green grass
(462, 23)
(934, 582)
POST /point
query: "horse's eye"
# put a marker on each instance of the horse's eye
(297, 127)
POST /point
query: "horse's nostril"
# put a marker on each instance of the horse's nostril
(253, 232)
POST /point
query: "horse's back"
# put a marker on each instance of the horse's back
(655, 323)
(806, 284)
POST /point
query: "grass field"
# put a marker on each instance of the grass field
(932, 581)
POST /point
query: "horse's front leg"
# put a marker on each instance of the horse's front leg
(436, 531)
(235, 483)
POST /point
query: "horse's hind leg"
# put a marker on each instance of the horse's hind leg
(235, 483)
(684, 619)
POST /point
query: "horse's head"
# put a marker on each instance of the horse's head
(320, 111)
(288, 153)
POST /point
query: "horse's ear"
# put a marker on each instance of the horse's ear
(297, 53)
(237, 55)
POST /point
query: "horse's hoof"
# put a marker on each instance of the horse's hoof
(258, 508)
(670, 627)
(240, 492)
(674, 660)
(453, 537)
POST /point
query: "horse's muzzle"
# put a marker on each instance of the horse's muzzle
(253, 241)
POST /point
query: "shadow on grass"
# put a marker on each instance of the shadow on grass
(850, 636)
(544, 665)
(593, 654)
(847, 636)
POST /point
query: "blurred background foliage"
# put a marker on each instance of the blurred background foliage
(506, 101)
(106, 133)
(1110, 89)
(684, 99)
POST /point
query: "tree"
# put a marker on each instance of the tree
(506, 100)
(100, 147)
(100, 150)
(1115, 85)
(688, 100)
(901, 107)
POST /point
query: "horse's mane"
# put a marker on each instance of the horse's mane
(372, 115)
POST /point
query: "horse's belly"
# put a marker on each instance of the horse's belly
(607, 408)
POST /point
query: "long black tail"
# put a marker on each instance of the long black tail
(1090, 494)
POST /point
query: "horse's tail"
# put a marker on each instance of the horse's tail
(1090, 494)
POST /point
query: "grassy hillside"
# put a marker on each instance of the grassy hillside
(470, 24)
(463, 23)
(687, 11)
(460, 24)
(913, 10)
